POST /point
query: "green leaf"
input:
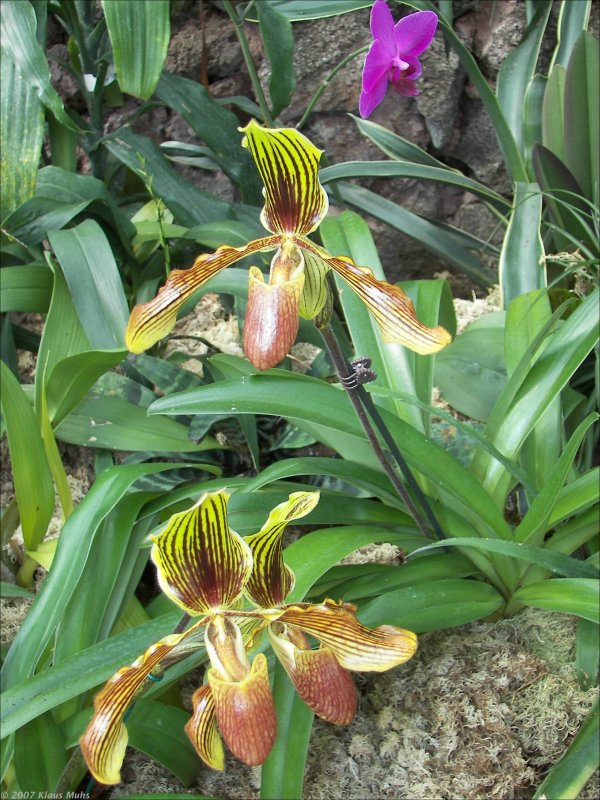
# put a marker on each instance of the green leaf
(349, 235)
(398, 148)
(576, 496)
(553, 112)
(189, 204)
(74, 546)
(40, 755)
(441, 242)
(555, 562)
(433, 606)
(33, 482)
(94, 281)
(426, 172)
(517, 71)
(116, 424)
(55, 685)
(572, 771)
(139, 34)
(278, 39)
(21, 137)
(12, 590)
(282, 774)
(25, 288)
(587, 653)
(521, 259)
(573, 18)
(300, 10)
(582, 114)
(218, 127)
(578, 596)
(470, 372)
(18, 33)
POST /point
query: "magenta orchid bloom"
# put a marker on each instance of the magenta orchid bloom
(393, 57)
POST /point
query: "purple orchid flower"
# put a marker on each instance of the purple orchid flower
(393, 57)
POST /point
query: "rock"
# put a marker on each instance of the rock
(441, 88)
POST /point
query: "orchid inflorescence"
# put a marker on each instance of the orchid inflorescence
(208, 569)
(394, 54)
(295, 205)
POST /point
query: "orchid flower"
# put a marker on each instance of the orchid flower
(206, 569)
(393, 56)
(295, 205)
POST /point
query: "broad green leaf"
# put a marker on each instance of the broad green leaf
(189, 204)
(55, 685)
(573, 18)
(368, 480)
(139, 34)
(278, 39)
(300, 10)
(521, 259)
(555, 562)
(307, 401)
(398, 148)
(567, 778)
(218, 127)
(75, 543)
(587, 653)
(576, 496)
(532, 117)
(115, 424)
(470, 372)
(508, 427)
(282, 774)
(25, 288)
(579, 596)
(18, 34)
(440, 242)
(349, 235)
(402, 169)
(40, 755)
(21, 136)
(517, 71)
(12, 590)
(553, 111)
(433, 606)
(33, 482)
(535, 523)
(89, 266)
(582, 114)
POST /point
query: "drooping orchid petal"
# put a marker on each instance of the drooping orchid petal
(245, 712)
(151, 321)
(104, 742)
(355, 646)
(202, 564)
(295, 201)
(271, 580)
(202, 729)
(393, 55)
(389, 305)
(318, 677)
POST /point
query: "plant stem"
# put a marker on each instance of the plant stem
(325, 83)
(357, 398)
(256, 85)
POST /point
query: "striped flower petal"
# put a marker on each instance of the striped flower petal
(202, 564)
(202, 729)
(320, 680)
(245, 712)
(151, 321)
(391, 308)
(355, 646)
(315, 291)
(270, 580)
(104, 742)
(288, 163)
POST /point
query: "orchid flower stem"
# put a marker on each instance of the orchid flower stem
(361, 402)
(325, 83)
(241, 35)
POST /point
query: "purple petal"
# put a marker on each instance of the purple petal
(369, 100)
(377, 65)
(414, 33)
(407, 87)
(413, 69)
(382, 26)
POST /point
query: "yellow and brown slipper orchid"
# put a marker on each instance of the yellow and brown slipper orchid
(206, 568)
(295, 205)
